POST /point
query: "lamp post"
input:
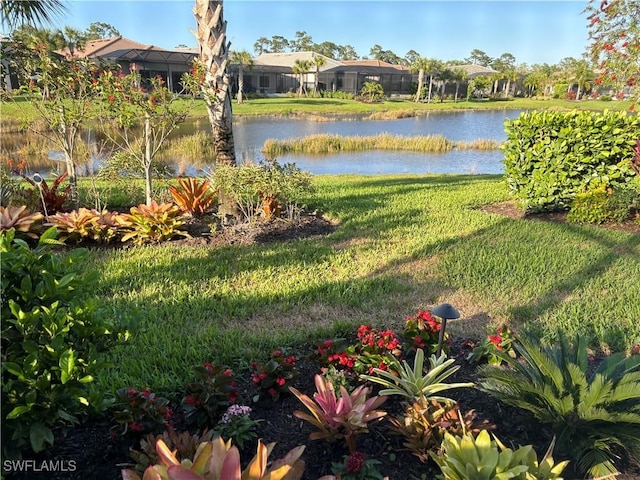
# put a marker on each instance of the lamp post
(446, 312)
(37, 179)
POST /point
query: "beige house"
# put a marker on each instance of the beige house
(150, 61)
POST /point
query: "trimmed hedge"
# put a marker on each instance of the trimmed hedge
(552, 156)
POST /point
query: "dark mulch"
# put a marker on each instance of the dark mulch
(88, 451)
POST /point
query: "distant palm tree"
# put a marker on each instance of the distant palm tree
(582, 74)
(243, 59)
(32, 12)
(319, 61)
(211, 35)
(420, 64)
(300, 68)
(458, 76)
(433, 66)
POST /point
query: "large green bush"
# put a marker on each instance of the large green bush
(552, 156)
(52, 337)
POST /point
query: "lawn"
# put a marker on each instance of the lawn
(402, 243)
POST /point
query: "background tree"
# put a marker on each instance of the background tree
(278, 44)
(31, 12)
(261, 46)
(478, 57)
(347, 52)
(211, 35)
(328, 49)
(411, 57)
(432, 68)
(302, 43)
(242, 59)
(614, 30)
(420, 65)
(478, 86)
(372, 91)
(458, 76)
(582, 75)
(99, 30)
(378, 53)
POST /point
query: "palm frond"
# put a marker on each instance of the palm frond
(32, 12)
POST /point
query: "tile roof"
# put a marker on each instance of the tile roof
(289, 58)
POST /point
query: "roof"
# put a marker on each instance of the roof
(150, 55)
(376, 63)
(289, 59)
(103, 46)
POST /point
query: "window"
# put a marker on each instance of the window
(264, 81)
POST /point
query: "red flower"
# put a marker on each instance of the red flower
(276, 353)
(328, 343)
(354, 462)
(135, 427)
(273, 392)
(291, 360)
(189, 400)
(131, 392)
(146, 393)
(496, 339)
(280, 381)
(228, 373)
(256, 378)
(635, 350)
(207, 366)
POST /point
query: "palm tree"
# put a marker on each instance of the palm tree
(214, 51)
(243, 59)
(420, 64)
(32, 12)
(458, 76)
(319, 61)
(582, 75)
(300, 68)
(433, 67)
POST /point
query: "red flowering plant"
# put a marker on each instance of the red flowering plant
(140, 411)
(422, 331)
(501, 341)
(208, 397)
(274, 377)
(371, 351)
(357, 467)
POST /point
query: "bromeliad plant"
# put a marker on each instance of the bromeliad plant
(412, 383)
(274, 377)
(421, 332)
(355, 467)
(490, 347)
(218, 460)
(53, 196)
(152, 223)
(193, 197)
(425, 422)
(479, 458)
(83, 223)
(595, 416)
(21, 220)
(140, 411)
(339, 418)
(207, 398)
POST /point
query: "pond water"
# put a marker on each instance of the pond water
(251, 133)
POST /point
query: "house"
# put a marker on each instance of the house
(148, 60)
(272, 73)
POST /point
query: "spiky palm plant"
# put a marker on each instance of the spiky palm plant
(595, 416)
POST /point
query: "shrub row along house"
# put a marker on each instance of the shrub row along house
(269, 73)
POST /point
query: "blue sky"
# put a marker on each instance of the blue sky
(532, 31)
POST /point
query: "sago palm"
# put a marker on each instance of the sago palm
(595, 416)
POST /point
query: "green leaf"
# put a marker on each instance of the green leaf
(67, 364)
(16, 412)
(38, 435)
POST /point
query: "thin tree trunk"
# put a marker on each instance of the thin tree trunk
(420, 82)
(68, 141)
(430, 86)
(147, 158)
(457, 89)
(240, 84)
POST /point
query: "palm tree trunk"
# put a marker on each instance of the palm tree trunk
(457, 89)
(420, 82)
(214, 52)
(240, 84)
(430, 86)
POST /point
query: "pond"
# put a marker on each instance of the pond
(251, 133)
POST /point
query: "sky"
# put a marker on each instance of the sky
(543, 31)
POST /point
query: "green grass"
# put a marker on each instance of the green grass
(403, 243)
(12, 112)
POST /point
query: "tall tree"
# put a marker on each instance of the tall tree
(478, 57)
(432, 67)
(211, 35)
(420, 65)
(242, 59)
(279, 44)
(614, 30)
(458, 76)
(582, 74)
(328, 49)
(31, 12)
(262, 45)
(347, 52)
(98, 30)
(319, 61)
(302, 43)
(411, 57)
(388, 56)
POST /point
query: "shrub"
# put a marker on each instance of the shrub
(237, 425)
(207, 398)
(595, 416)
(83, 224)
(53, 199)
(422, 332)
(52, 338)
(480, 458)
(372, 92)
(600, 204)
(356, 467)
(551, 156)
(490, 347)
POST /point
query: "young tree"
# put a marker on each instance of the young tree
(300, 68)
(144, 119)
(319, 61)
(420, 65)
(614, 29)
(63, 97)
(302, 43)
